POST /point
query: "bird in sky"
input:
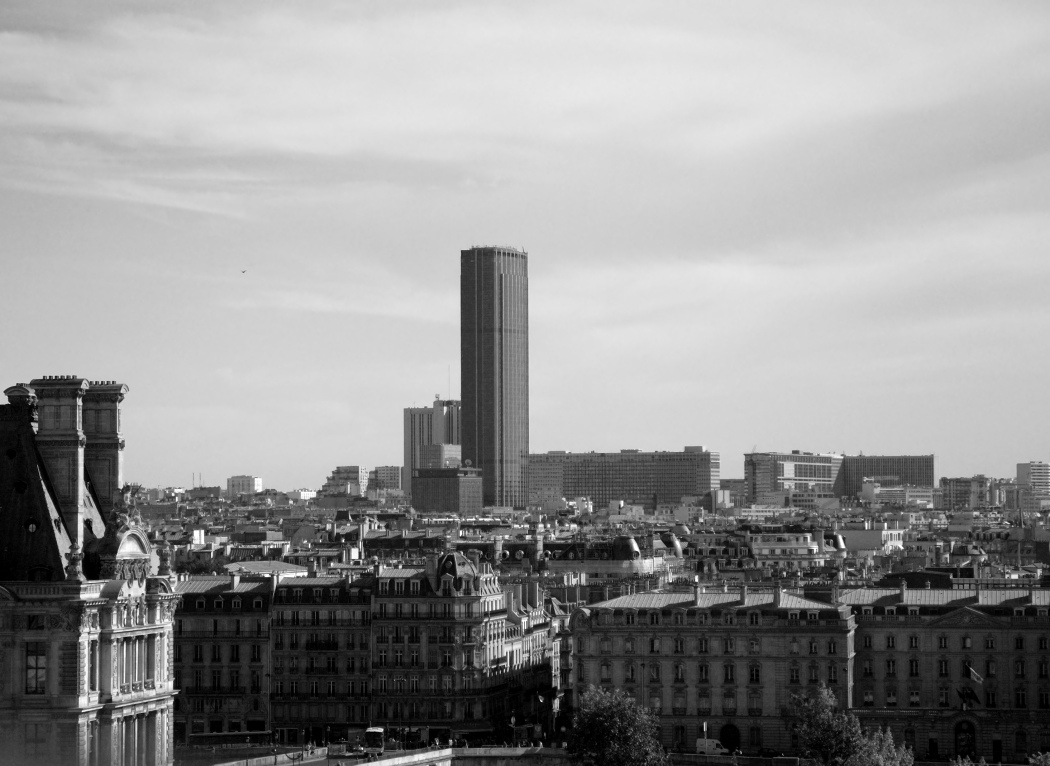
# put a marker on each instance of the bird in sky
(243, 270)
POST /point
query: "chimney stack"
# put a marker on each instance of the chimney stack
(104, 442)
(61, 441)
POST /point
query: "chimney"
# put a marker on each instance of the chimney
(235, 580)
(743, 595)
(778, 596)
(60, 440)
(903, 590)
(696, 590)
(104, 443)
(926, 584)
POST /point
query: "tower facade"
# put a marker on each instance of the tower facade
(494, 366)
(426, 426)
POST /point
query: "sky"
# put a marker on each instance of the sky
(810, 225)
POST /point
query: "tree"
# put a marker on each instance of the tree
(825, 732)
(611, 729)
(878, 749)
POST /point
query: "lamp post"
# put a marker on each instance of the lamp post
(302, 745)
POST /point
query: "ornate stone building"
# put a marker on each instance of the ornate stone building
(729, 658)
(85, 627)
(439, 647)
(222, 657)
(955, 672)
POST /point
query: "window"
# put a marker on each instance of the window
(891, 698)
(866, 670)
(990, 699)
(730, 673)
(942, 642)
(36, 667)
(753, 618)
(754, 674)
(913, 642)
(654, 645)
(813, 646)
(701, 646)
(989, 643)
(1019, 643)
(679, 646)
(891, 667)
(833, 673)
(891, 642)
(703, 672)
(869, 698)
(814, 674)
(654, 618)
(967, 642)
(833, 647)
(679, 673)
(235, 653)
(867, 642)
(654, 672)
(606, 673)
(728, 618)
(728, 645)
(1020, 698)
(754, 646)
(1019, 669)
(913, 668)
(629, 618)
(913, 698)
(942, 697)
(942, 668)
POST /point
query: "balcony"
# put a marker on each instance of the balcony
(678, 711)
(323, 645)
(754, 711)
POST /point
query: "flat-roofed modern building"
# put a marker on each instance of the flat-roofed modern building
(439, 424)
(809, 477)
(1035, 476)
(631, 475)
(447, 491)
(494, 366)
(888, 470)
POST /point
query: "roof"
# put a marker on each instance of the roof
(1013, 597)
(220, 584)
(752, 600)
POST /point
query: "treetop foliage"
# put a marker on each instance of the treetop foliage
(611, 729)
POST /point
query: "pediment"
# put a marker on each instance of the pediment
(966, 617)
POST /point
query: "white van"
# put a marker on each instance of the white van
(710, 747)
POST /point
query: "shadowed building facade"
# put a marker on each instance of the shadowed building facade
(494, 360)
(85, 627)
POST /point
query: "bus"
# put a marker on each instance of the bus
(374, 740)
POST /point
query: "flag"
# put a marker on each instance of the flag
(974, 676)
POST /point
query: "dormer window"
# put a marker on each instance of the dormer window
(867, 610)
(384, 587)
(654, 618)
(235, 604)
(792, 616)
(812, 616)
(257, 604)
(297, 595)
(317, 595)
(414, 588)
(399, 588)
(218, 604)
(200, 603)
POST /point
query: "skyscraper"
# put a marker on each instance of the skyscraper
(494, 359)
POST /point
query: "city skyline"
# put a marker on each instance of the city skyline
(760, 227)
